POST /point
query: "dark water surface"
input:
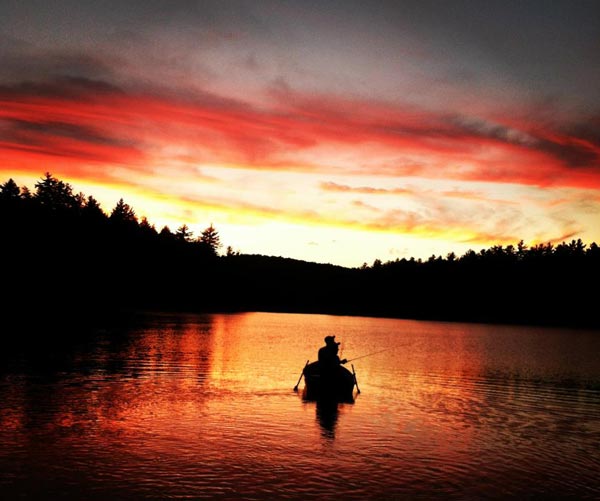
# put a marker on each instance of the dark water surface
(201, 406)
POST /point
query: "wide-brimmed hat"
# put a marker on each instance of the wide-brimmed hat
(330, 340)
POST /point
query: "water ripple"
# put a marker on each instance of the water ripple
(204, 409)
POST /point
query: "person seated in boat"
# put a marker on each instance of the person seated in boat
(328, 354)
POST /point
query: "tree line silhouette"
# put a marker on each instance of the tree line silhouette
(65, 258)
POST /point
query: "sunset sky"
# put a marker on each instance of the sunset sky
(329, 131)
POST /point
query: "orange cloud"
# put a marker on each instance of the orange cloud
(334, 187)
(455, 193)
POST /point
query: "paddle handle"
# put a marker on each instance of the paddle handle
(300, 378)
(355, 381)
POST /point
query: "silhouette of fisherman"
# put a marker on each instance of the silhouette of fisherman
(328, 354)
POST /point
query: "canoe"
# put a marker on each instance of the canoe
(336, 383)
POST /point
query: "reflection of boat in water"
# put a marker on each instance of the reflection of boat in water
(333, 383)
(327, 414)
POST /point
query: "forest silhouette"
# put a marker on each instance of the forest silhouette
(65, 259)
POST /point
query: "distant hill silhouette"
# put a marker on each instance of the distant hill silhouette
(64, 257)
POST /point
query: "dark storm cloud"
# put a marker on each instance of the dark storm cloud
(66, 140)
(588, 130)
(476, 127)
(28, 70)
(77, 76)
(572, 153)
(64, 87)
(20, 130)
(574, 146)
(18, 66)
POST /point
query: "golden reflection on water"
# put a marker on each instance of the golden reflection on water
(202, 406)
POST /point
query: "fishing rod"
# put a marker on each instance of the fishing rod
(368, 355)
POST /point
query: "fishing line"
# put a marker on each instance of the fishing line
(368, 354)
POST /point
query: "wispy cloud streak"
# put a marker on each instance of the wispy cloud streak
(99, 121)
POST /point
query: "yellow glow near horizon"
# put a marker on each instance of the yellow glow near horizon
(351, 220)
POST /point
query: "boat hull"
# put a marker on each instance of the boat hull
(337, 383)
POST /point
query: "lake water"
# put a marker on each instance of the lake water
(201, 406)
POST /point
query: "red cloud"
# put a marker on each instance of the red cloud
(86, 122)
